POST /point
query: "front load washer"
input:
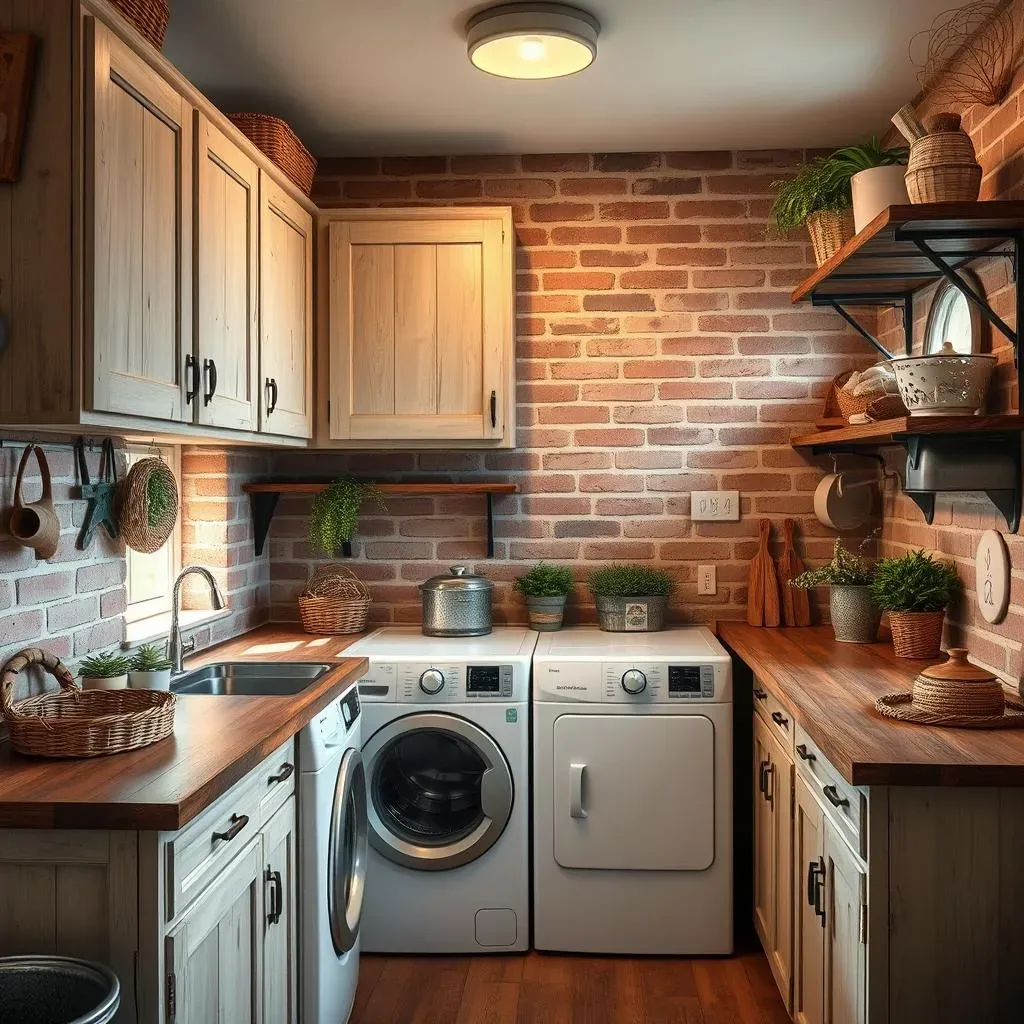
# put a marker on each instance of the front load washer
(632, 845)
(446, 749)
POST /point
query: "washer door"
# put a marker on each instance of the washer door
(441, 791)
(346, 861)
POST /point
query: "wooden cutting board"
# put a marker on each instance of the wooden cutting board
(763, 584)
(796, 607)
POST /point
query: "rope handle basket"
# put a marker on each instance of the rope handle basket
(334, 600)
(80, 723)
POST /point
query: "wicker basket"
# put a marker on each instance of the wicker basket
(80, 723)
(275, 139)
(917, 634)
(334, 601)
(150, 17)
(829, 233)
(847, 403)
(144, 528)
(943, 169)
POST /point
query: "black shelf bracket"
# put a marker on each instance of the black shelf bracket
(262, 505)
(900, 300)
(490, 524)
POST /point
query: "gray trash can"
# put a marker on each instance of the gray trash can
(57, 990)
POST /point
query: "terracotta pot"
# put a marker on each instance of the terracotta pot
(35, 524)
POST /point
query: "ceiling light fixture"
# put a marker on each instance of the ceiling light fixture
(532, 40)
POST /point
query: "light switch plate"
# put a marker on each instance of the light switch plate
(707, 580)
(714, 506)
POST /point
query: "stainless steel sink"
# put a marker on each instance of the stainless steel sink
(250, 678)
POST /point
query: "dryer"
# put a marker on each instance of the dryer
(446, 749)
(632, 847)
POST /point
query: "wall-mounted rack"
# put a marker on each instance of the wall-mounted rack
(263, 498)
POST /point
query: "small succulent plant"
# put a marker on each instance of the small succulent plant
(103, 666)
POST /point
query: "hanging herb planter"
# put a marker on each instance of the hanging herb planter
(334, 514)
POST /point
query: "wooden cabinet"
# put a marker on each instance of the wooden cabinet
(845, 932)
(286, 313)
(809, 907)
(421, 341)
(280, 978)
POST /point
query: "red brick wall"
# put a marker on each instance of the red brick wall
(657, 353)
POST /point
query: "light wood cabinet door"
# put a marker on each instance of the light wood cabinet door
(421, 341)
(809, 903)
(227, 280)
(138, 218)
(764, 874)
(280, 981)
(214, 954)
(286, 313)
(845, 933)
(780, 939)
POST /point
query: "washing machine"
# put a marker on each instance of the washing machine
(332, 860)
(446, 749)
(632, 798)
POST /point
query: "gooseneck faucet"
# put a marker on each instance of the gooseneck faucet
(177, 648)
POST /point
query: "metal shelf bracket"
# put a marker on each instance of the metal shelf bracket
(902, 300)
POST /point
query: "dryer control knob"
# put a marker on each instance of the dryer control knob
(634, 681)
(432, 681)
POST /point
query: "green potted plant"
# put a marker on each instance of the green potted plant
(855, 616)
(107, 671)
(334, 514)
(876, 176)
(149, 669)
(631, 598)
(545, 588)
(915, 589)
(818, 198)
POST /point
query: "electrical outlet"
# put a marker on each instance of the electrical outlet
(714, 506)
(707, 580)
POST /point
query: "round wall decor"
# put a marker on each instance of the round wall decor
(992, 576)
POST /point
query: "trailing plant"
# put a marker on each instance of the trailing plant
(850, 160)
(149, 658)
(545, 581)
(161, 497)
(630, 581)
(847, 569)
(915, 582)
(818, 187)
(334, 513)
(103, 666)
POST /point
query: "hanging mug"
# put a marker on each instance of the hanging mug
(35, 525)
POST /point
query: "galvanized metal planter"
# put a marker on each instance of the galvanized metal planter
(631, 614)
(855, 619)
(546, 613)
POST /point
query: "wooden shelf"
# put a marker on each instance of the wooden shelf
(896, 431)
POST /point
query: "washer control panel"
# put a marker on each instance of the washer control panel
(438, 682)
(631, 682)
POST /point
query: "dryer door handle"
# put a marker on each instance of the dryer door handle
(576, 771)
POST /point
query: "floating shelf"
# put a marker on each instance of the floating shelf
(263, 499)
(898, 431)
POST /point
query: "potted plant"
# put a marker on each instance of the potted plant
(855, 616)
(545, 588)
(818, 198)
(334, 514)
(149, 669)
(876, 176)
(631, 598)
(915, 589)
(104, 672)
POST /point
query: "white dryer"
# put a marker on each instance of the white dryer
(632, 847)
(446, 748)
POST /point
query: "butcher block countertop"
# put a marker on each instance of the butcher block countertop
(217, 740)
(831, 689)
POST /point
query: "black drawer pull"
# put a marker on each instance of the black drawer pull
(286, 772)
(238, 822)
(210, 370)
(192, 370)
(760, 694)
(815, 885)
(762, 778)
(804, 754)
(780, 719)
(833, 797)
(276, 896)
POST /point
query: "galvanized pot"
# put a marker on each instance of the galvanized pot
(631, 614)
(457, 605)
(855, 619)
(546, 613)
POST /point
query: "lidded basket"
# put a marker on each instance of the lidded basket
(957, 687)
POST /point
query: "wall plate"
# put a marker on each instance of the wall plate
(712, 506)
(992, 576)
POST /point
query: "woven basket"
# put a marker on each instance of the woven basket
(847, 403)
(943, 169)
(917, 634)
(829, 233)
(150, 17)
(334, 601)
(143, 528)
(80, 723)
(902, 707)
(276, 140)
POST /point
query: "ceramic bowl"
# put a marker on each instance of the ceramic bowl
(944, 385)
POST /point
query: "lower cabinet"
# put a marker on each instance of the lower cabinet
(280, 920)
(809, 906)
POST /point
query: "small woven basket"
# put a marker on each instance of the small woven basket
(274, 138)
(848, 403)
(829, 233)
(334, 601)
(943, 169)
(917, 634)
(143, 527)
(150, 17)
(80, 723)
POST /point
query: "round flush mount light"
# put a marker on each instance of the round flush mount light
(532, 40)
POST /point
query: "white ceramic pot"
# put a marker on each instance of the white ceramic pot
(876, 189)
(157, 680)
(110, 683)
(944, 385)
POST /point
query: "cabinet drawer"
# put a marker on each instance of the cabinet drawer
(277, 776)
(775, 714)
(844, 804)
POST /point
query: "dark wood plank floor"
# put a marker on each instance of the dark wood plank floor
(540, 988)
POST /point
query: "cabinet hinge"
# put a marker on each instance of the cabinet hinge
(172, 998)
(864, 924)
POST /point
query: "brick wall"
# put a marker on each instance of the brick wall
(657, 353)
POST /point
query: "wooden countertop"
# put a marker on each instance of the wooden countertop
(217, 740)
(831, 690)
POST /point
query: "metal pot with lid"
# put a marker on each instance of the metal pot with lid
(458, 604)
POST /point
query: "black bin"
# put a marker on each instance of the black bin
(57, 990)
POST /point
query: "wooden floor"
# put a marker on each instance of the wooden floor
(540, 988)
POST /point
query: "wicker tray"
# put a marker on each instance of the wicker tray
(334, 601)
(901, 707)
(150, 18)
(276, 140)
(80, 723)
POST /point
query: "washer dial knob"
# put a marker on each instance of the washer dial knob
(432, 681)
(634, 681)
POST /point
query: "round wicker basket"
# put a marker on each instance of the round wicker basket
(80, 723)
(143, 527)
(150, 17)
(917, 634)
(829, 233)
(943, 169)
(334, 601)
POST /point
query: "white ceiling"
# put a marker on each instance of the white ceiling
(391, 77)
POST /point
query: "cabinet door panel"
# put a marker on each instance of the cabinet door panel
(459, 326)
(780, 951)
(764, 888)
(373, 330)
(417, 326)
(808, 925)
(280, 984)
(845, 952)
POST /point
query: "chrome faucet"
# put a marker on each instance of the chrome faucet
(177, 648)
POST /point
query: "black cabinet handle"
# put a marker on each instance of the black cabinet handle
(815, 886)
(276, 896)
(494, 408)
(191, 370)
(273, 403)
(762, 781)
(803, 753)
(286, 772)
(760, 694)
(210, 370)
(780, 719)
(833, 797)
(238, 822)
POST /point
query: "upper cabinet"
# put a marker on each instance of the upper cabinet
(420, 321)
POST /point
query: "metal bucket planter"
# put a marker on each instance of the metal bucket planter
(631, 614)
(855, 619)
(546, 612)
